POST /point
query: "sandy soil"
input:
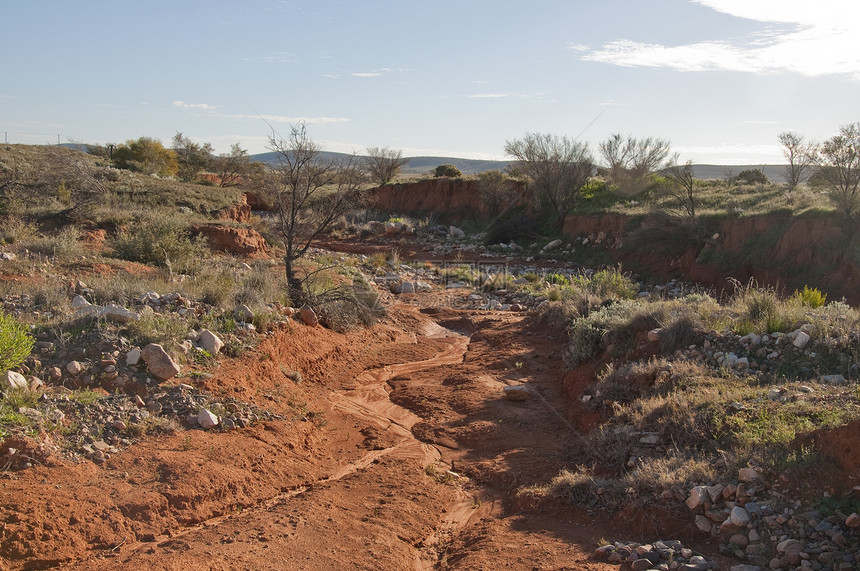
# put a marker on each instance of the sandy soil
(399, 452)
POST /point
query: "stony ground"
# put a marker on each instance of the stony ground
(396, 444)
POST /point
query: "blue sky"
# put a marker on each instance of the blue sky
(719, 78)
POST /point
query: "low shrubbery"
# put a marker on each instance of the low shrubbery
(15, 342)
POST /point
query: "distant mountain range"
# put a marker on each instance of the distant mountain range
(423, 165)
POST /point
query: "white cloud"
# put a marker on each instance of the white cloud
(281, 57)
(288, 119)
(202, 106)
(2, 96)
(367, 74)
(488, 95)
(577, 47)
(807, 38)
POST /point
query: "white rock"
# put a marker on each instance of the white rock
(14, 380)
(422, 287)
(801, 340)
(654, 334)
(739, 516)
(206, 419)
(456, 232)
(119, 314)
(7, 256)
(210, 342)
(406, 287)
(833, 379)
(552, 245)
(748, 475)
(79, 301)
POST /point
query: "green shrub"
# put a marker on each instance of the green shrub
(752, 176)
(447, 170)
(609, 283)
(15, 342)
(162, 241)
(810, 297)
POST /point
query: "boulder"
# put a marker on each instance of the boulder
(517, 393)
(243, 313)
(308, 316)
(158, 362)
(206, 419)
(119, 314)
(552, 245)
(698, 497)
(13, 380)
(455, 232)
(132, 358)
(801, 340)
(74, 368)
(79, 301)
(406, 287)
(209, 342)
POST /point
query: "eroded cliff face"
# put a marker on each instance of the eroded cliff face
(780, 251)
(775, 250)
(451, 198)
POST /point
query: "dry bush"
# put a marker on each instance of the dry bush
(347, 307)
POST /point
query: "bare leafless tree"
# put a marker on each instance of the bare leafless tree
(310, 191)
(840, 168)
(682, 187)
(233, 166)
(383, 164)
(628, 161)
(801, 156)
(556, 168)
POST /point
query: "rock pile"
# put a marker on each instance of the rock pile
(96, 429)
(665, 555)
(757, 523)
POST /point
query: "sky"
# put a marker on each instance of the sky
(720, 79)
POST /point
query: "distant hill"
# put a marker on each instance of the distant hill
(422, 165)
(415, 165)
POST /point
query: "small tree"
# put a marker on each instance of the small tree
(383, 164)
(233, 166)
(629, 161)
(497, 191)
(801, 158)
(146, 155)
(556, 168)
(682, 187)
(840, 162)
(191, 157)
(447, 170)
(310, 192)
